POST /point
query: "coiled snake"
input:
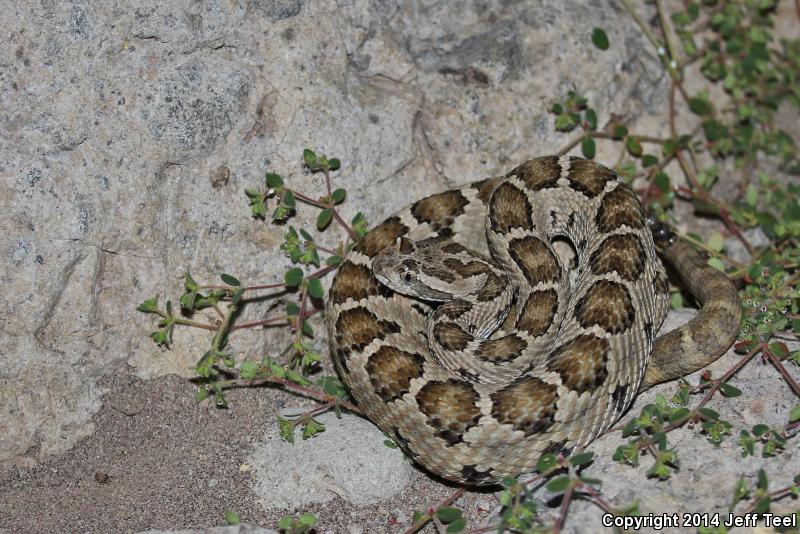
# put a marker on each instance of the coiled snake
(464, 334)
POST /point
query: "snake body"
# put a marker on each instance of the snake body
(463, 334)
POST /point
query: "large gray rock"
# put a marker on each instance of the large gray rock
(348, 460)
(129, 131)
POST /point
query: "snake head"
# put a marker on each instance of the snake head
(423, 271)
(663, 236)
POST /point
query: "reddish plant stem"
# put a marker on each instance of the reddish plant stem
(781, 369)
(424, 521)
(562, 511)
(316, 274)
(309, 200)
(317, 395)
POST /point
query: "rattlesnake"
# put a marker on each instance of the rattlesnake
(527, 355)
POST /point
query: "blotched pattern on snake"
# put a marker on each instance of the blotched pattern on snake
(465, 333)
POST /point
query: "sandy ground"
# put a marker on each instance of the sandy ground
(160, 460)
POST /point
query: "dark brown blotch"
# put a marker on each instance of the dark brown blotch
(454, 308)
(589, 177)
(558, 447)
(391, 371)
(661, 284)
(619, 207)
(608, 305)
(493, 288)
(538, 312)
(451, 337)
(528, 404)
(618, 398)
(469, 268)
(539, 173)
(621, 253)
(581, 363)
(453, 248)
(472, 475)
(353, 281)
(485, 187)
(535, 259)
(439, 210)
(357, 327)
(404, 443)
(451, 408)
(508, 209)
(437, 272)
(501, 350)
(382, 236)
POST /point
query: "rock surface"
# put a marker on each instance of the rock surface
(128, 132)
(349, 459)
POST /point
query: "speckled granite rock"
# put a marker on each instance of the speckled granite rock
(129, 131)
(348, 460)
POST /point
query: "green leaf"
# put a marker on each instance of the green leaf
(633, 146)
(309, 158)
(588, 147)
(581, 459)
(762, 480)
(751, 196)
(292, 309)
(293, 277)
(648, 160)
(274, 181)
(189, 284)
(558, 484)
(338, 195)
(288, 199)
(448, 514)
(794, 415)
(334, 164)
(307, 330)
(286, 429)
(619, 131)
(149, 306)
(708, 412)
(717, 264)
(231, 517)
(456, 526)
(600, 39)
(230, 280)
(728, 390)
(333, 260)
(566, 122)
(546, 462)
(591, 118)
(237, 296)
(258, 209)
(716, 242)
(248, 369)
(699, 106)
(312, 428)
(315, 288)
(307, 519)
(324, 218)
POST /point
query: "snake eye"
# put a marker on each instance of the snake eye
(407, 276)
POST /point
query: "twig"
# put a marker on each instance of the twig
(427, 517)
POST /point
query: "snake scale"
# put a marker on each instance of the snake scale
(464, 332)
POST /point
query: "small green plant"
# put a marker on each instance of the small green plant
(729, 44)
(302, 525)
